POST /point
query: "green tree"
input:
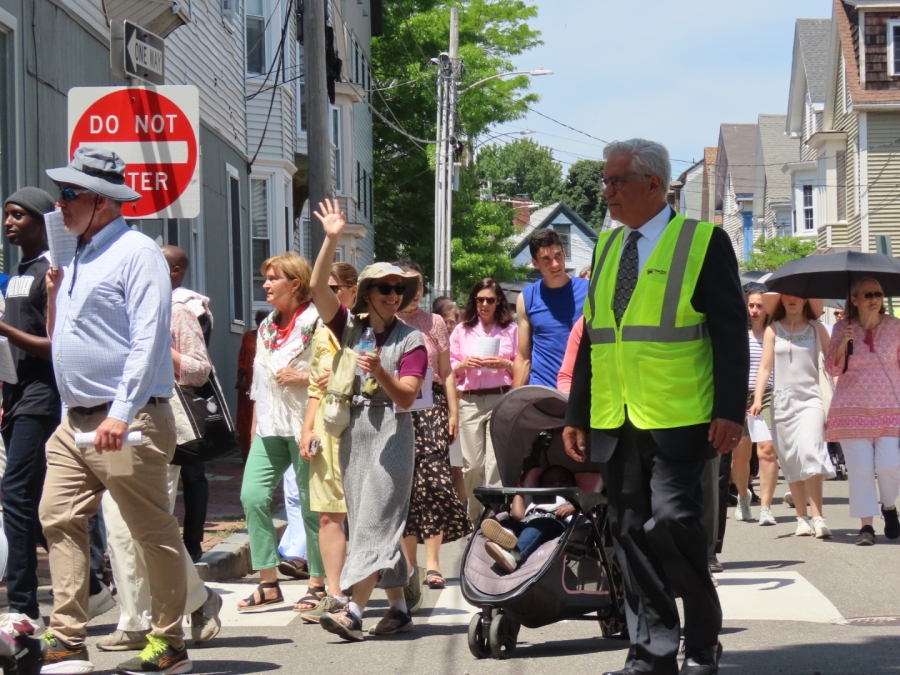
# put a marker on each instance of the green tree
(492, 32)
(581, 190)
(531, 166)
(770, 254)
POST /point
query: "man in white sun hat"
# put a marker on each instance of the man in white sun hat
(109, 315)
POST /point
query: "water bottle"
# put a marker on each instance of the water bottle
(366, 346)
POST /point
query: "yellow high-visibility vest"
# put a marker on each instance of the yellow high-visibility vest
(658, 363)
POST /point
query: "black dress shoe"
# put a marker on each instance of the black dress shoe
(702, 661)
(624, 671)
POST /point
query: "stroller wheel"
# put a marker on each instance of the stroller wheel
(843, 472)
(478, 638)
(503, 635)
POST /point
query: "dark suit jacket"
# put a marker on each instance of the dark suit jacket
(719, 296)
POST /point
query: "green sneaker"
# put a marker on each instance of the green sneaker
(63, 659)
(326, 604)
(157, 657)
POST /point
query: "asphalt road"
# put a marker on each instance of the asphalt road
(792, 606)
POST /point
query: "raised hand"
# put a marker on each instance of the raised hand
(334, 220)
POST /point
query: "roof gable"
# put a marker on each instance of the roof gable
(544, 217)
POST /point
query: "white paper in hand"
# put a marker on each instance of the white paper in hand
(62, 243)
(487, 346)
(7, 365)
(759, 431)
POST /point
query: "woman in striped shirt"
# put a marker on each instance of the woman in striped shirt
(765, 450)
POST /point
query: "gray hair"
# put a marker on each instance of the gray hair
(647, 157)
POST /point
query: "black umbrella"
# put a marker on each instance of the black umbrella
(752, 275)
(830, 276)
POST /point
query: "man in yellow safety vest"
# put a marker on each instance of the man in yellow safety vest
(659, 382)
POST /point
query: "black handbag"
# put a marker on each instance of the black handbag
(214, 432)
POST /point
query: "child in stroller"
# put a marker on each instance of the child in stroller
(528, 528)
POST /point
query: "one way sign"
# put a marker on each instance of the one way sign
(135, 52)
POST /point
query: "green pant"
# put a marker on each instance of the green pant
(269, 458)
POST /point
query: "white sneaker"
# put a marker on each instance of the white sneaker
(504, 559)
(766, 517)
(100, 603)
(789, 499)
(17, 623)
(822, 531)
(804, 529)
(742, 510)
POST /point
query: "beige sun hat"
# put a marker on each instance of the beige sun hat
(772, 300)
(376, 271)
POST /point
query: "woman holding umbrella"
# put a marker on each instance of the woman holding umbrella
(792, 345)
(865, 413)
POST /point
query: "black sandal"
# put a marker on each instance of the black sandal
(435, 579)
(314, 595)
(263, 603)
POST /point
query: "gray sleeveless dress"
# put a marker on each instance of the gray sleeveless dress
(377, 456)
(798, 419)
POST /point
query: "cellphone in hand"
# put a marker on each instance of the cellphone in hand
(314, 447)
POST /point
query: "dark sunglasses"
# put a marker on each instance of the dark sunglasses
(385, 289)
(489, 301)
(334, 289)
(67, 194)
(872, 294)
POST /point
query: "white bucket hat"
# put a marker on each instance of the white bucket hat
(99, 170)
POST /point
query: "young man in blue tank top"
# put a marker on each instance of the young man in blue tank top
(546, 311)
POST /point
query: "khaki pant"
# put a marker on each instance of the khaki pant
(76, 480)
(479, 462)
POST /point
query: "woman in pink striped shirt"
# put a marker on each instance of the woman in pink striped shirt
(482, 380)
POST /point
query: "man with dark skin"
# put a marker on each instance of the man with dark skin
(31, 405)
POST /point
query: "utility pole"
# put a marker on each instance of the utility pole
(449, 71)
(318, 141)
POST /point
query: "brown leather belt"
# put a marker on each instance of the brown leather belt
(488, 392)
(104, 407)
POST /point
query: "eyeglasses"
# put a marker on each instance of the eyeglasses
(67, 194)
(616, 182)
(385, 289)
(872, 294)
(489, 301)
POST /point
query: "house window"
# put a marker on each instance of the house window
(893, 38)
(808, 222)
(255, 26)
(303, 107)
(261, 244)
(234, 235)
(841, 159)
(565, 237)
(336, 166)
(172, 231)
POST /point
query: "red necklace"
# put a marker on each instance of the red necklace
(281, 335)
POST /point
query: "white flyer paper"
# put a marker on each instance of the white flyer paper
(425, 399)
(759, 432)
(487, 346)
(62, 243)
(7, 365)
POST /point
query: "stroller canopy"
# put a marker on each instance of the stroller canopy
(518, 419)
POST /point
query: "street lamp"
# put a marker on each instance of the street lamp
(449, 69)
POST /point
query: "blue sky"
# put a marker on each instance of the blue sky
(669, 71)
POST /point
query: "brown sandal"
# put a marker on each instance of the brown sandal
(314, 595)
(258, 602)
(435, 579)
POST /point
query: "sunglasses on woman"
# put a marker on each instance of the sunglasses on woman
(489, 301)
(385, 289)
(872, 294)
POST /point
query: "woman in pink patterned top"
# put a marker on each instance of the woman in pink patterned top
(865, 410)
(436, 516)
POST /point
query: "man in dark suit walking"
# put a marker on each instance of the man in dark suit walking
(659, 382)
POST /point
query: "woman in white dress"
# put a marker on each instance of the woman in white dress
(793, 344)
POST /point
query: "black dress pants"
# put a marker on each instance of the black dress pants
(195, 490)
(655, 515)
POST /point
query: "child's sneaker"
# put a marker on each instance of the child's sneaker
(159, 656)
(62, 659)
(343, 623)
(495, 532)
(504, 558)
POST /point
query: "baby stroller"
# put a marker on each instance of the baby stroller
(566, 578)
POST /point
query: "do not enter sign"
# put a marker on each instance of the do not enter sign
(155, 132)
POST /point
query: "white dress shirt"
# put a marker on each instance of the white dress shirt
(650, 231)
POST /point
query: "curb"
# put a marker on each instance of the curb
(230, 560)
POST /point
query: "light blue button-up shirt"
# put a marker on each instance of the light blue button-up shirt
(112, 339)
(650, 231)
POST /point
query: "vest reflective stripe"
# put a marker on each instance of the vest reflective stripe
(661, 373)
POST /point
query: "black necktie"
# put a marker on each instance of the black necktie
(626, 279)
